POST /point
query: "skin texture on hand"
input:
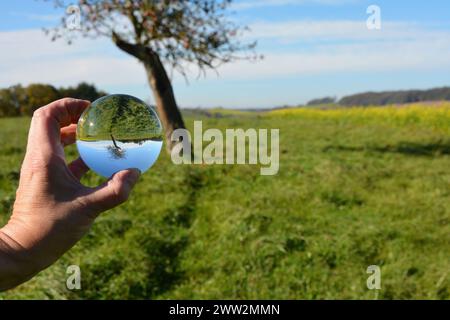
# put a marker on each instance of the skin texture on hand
(53, 210)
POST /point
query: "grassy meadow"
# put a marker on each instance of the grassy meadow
(356, 187)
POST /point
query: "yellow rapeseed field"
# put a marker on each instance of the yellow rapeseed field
(434, 116)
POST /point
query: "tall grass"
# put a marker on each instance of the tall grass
(356, 187)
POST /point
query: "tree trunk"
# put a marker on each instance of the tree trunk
(161, 85)
(166, 104)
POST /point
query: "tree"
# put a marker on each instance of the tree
(11, 100)
(83, 90)
(38, 95)
(160, 33)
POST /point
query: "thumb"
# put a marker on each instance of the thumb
(113, 192)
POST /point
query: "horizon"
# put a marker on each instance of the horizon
(312, 48)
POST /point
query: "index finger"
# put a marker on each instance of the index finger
(48, 121)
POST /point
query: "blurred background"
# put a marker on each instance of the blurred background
(360, 94)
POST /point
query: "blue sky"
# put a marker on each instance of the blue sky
(312, 48)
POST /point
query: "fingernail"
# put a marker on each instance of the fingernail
(81, 100)
(134, 175)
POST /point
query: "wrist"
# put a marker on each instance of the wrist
(16, 264)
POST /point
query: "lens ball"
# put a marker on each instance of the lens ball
(119, 132)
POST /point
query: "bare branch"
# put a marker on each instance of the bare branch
(198, 32)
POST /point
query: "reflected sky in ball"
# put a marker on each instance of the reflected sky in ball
(105, 158)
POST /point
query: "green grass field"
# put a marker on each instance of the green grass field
(356, 187)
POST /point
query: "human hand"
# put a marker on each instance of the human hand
(53, 210)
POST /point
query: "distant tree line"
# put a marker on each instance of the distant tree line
(396, 97)
(18, 100)
(385, 98)
(322, 101)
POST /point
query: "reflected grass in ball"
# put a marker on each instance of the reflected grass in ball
(118, 132)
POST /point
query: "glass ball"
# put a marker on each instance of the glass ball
(119, 132)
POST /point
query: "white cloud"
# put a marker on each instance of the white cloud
(29, 56)
(344, 59)
(311, 30)
(321, 47)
